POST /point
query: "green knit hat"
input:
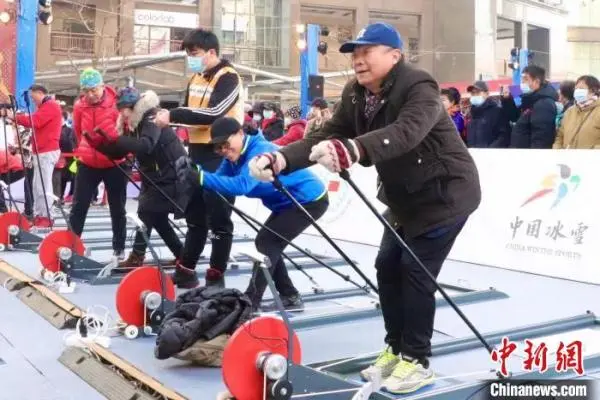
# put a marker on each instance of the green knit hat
(90, 78)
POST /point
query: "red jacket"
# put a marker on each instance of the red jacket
(294, 133)
(47, 125)
(13, 164)
(88, 117)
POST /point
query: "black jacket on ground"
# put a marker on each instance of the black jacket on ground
(156, 151)
(201, 313)
(489, 127)
(429, 178)
(536, 126)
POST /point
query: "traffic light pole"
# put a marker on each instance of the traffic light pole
(522, 58)
(309, 65)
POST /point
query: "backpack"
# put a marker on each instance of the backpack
(67, 142)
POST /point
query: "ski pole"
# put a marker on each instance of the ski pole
(245, 217)
(279, 186)
(344, 174)
(316, 287)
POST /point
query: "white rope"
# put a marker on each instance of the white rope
(99, 325)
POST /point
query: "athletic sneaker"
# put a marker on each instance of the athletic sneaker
(408, 377)
(382, 368)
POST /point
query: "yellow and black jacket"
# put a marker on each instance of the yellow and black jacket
(213, 94)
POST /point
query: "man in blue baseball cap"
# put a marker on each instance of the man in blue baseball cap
(391, 116)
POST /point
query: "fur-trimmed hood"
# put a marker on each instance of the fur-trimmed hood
(148, 100)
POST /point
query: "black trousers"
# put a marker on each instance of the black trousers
(87, 180)
(288, 223)
(207, 211)
(8, 178)
(406, 293)
(160, 222)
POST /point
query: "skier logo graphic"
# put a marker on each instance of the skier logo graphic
(558, 185)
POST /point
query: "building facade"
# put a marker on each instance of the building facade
(584, 38)
(457, 41)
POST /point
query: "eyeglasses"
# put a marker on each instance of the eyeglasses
(222, 147)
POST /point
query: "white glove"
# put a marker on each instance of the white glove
(335, 154)
(266, 166)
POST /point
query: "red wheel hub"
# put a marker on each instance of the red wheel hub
(12, 218)
(51, 245)
(130, 290)
(263, 334)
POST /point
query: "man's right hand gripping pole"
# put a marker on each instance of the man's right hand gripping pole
(267, 166)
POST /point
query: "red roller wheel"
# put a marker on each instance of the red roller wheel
(129, 293)
(12, 218)
(53, 242)
(262, 334)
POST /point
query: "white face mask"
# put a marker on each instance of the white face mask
(287, 121)
(580, 95)
(268, 114)
(257, 117)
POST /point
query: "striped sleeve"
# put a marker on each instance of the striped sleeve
(224, 96)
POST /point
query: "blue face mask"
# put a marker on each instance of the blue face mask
(580, 95)
(525, 88)
(477, 100)
(560, 107)
(196, 64)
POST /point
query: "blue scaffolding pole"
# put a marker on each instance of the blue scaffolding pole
(26, 47)
(309, 65)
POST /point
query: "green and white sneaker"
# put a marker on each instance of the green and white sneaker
(407, 377)
(382, 368)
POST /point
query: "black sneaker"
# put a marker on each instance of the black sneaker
(185, 278)
(290, 303)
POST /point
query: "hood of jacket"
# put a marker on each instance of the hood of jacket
(546, 91)
(148, 101)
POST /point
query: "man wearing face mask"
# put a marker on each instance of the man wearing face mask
(213, 92)
(488, 127)
(536, 125)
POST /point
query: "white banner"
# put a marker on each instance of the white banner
(538, 212)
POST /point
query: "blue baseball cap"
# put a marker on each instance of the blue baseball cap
(375, 34)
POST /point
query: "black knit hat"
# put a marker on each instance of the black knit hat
(222, 128)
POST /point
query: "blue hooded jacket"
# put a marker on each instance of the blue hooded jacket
(234, 179)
